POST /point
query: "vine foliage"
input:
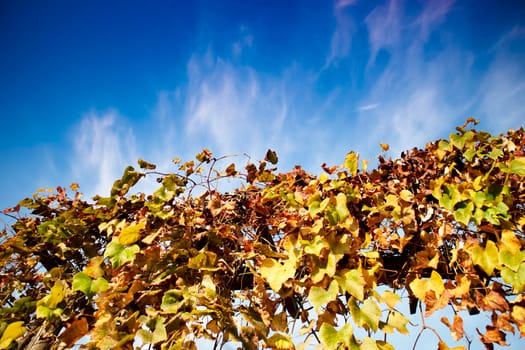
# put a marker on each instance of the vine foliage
(282, 261)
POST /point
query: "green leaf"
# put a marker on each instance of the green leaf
(204, 261)
(12, 332)
(516, 279)
(131, 233)
(512, 260)
(99, 285)
(128, 180)
(352, 282)
(366, 315)
(517, 166)
(464, 212)
(319, 296)
(82, 282)
(171, 300)
(43, 311)
(333, 339)
(118, 254)
(487, 258)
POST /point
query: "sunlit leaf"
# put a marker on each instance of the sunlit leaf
(333, 338)
(366, 315)
(171, 300)
(420, 286)
(352, 163)
(390, 299)
(352, 282)
(515, 279)
(487, 258)
(319, 296)
(276, 273)
(82, 282)
(130, 234)
(398, 321)
(280, 341)
(119, 254)
(517, 166)
(12, 332)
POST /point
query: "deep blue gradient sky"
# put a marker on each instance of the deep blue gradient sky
(88, 87)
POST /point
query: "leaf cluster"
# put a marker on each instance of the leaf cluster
(327, 257)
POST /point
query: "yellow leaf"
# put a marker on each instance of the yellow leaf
(510, 241)
(406, 195)
(13, 331)
(276, 273)
(280, 342)
(319, 296)
(390, 299)
(57, 294)
(131, 233)
(420, 286)
(518, 315)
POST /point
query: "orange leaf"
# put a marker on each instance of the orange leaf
(74, 332)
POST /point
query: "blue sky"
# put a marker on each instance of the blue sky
(88, 87)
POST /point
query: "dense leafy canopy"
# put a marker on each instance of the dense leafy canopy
(326, 257)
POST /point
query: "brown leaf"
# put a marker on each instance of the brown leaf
(492, 335)
(493, 301)
(74, 332)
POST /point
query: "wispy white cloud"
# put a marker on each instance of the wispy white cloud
(384, 27)
(368, 107)
(420, 96)
(102, 148)
(232, 108)
(341, 41)
(339, 4)
(502, 89)
(433, 13)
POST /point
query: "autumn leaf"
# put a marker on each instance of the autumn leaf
(517, 166)
(130, 234)
(74, 332)
(487, 258)
(352, 282)
(276, 273)
(434, 284)
(365, 315)
(456, 328)
(280, 341)
(12, 332)
(319, 296)
(271, 156)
